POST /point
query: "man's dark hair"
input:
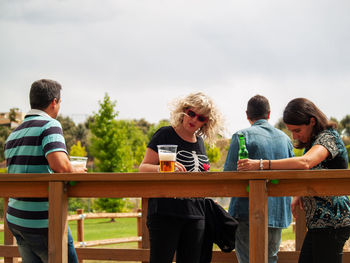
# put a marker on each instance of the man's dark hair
(258, 108)
(43, 92)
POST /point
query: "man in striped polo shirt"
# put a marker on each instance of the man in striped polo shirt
(37, 146)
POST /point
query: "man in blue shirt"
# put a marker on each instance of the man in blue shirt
(263, 141)
(37, 146)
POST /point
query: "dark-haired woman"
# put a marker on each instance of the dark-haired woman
(327, 217)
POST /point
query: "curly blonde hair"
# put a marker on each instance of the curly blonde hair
(204, 106)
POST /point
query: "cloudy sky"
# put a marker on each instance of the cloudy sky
(146, 53)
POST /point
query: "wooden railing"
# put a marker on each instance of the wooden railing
(212, 184)
(80, 217)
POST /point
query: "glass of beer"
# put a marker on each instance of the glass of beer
(78, 161)
(167, 157)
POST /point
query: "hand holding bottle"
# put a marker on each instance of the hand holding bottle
(247, 165)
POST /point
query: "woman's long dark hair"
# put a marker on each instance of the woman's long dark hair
(299, 111)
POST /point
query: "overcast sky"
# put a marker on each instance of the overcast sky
(146, 53)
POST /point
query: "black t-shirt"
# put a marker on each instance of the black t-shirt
(193, 156)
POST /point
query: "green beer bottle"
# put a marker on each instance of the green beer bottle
(274, 181)
(242, 152)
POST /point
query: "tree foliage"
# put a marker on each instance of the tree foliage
(110, 205)
(137, 140)
(78, 150)
(80, 203)
(13, 114)
(345, 125)
(4, 133)
(143, 125)
(109, 142)
(119, 145)
(213, 153)
(281, 126)
(73, 133)
(110, 148)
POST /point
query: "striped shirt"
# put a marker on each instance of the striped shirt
(25, 152)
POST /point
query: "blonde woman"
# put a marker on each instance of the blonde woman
(177, 225)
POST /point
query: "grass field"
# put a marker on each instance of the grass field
(97, 229)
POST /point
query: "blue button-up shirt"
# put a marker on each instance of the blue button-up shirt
(265, 142)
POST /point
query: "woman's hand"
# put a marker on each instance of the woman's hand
(295, 203)
(179, 167)
(247, 164)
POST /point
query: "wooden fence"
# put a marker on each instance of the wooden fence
(146, 185)
(80, 217)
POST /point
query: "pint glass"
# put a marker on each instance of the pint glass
(167, 157)
(77, 161)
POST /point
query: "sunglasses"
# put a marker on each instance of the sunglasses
(192, 114)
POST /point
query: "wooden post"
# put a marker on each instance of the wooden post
(258, 220)
(80, 225)
(8, 237)
(58, 208)
(144, 229)
(80, 229)
(300, 232)
(139, 227)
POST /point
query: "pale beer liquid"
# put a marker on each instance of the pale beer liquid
(78, 164)
(167, 162)
(167, 166)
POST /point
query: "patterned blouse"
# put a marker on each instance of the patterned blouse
(328, 211)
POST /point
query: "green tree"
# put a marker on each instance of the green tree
(281, 126)
(109, 141)
(345, 125)
(69, 130)
(4, 133)
(140, 153)
(80, 203)
(137, 140)
(81, 133)
(110, 205)
(213, 153)
(143, 125)
(77, 150)
(73, 133)
(13, 114)
(110, 147)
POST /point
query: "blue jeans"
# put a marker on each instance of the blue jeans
(33, 248)
(242, 242)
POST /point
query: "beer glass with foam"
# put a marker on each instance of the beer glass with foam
(167, 157)
(78, 161)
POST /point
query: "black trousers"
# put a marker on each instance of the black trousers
(172, 234)
(324, 245)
